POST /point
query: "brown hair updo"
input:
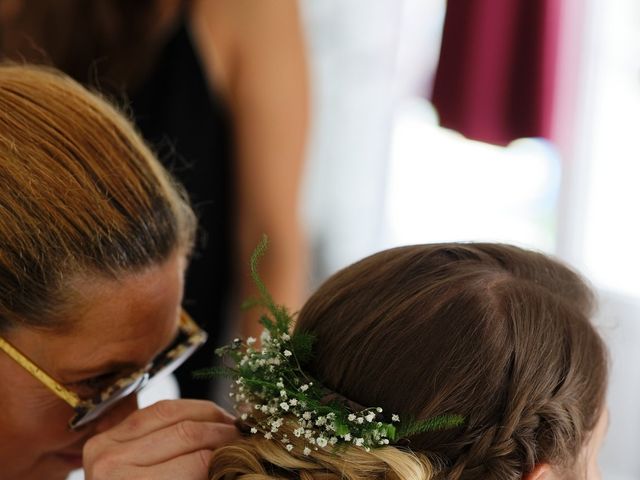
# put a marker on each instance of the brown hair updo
(492, 332)
(80, 193)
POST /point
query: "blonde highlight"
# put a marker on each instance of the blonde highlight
(256, 458)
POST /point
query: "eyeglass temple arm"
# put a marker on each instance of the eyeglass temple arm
(70, 397)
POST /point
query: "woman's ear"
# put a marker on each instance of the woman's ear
(540, 472)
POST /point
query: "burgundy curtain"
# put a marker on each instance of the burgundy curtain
(496, 76)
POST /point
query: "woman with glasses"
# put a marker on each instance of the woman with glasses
(94, 241)
(221, 85)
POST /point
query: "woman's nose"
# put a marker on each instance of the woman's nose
(117, 414)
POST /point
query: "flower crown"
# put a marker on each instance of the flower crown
(272, 390)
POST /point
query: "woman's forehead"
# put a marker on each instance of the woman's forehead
(111, 322)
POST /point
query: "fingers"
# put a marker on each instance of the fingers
(170, 439)
(177, 440)
(192, 466)
(165, 414)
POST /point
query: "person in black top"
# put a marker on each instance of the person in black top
(219, 89)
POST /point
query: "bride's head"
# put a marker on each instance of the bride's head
(494, 333)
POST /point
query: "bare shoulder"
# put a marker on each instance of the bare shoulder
(212, 31)
(242, 15)
(240, 23)
(233, 34)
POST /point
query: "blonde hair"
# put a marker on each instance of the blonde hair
(81, 194)
(256, 458)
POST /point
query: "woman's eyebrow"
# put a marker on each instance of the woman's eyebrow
(117, 366)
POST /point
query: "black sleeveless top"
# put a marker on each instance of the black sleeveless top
(190, 130)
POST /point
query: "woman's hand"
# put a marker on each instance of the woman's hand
(168, 440)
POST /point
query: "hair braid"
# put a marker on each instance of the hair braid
(499, 452)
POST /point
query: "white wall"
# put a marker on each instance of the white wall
(619, 321)
(352, 47)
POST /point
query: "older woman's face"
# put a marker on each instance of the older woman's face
(115, 326)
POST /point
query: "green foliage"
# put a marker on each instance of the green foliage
(409, 428)
(273, 382)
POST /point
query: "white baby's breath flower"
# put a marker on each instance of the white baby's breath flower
(318, 430)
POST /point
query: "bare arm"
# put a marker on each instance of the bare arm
(254, 54)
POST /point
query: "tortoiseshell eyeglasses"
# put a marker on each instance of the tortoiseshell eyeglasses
(190, 337)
